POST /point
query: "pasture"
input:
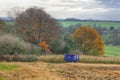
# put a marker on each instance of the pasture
(112, 50)
(92, 24)
(4, 66)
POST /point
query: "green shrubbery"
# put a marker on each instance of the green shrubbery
(57, 46)
(14, 49)
(13, 45)
(2, 22)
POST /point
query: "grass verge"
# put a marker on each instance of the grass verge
(7, 67)
(1, 78)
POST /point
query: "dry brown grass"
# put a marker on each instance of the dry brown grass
(62, 71)
(52, 58)
(100, 59)
(80, 71)
(83, 59)
(49, 70)
(30, 71)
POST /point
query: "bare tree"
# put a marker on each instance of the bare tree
(37, 25)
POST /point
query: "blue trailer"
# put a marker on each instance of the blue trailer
(71, 57)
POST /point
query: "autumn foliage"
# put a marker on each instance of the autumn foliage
(44, 46)
(88, 41)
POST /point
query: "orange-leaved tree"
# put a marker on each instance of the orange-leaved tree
(88, 41)
(44, 46)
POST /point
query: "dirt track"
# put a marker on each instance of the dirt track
(63, 71)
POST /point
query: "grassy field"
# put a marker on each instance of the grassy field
(102, 24)
(112, 50)
(4, 66)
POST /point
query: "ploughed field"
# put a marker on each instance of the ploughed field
(61, 71)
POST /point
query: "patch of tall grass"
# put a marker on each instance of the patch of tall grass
(100, 59)
(83, 59)
(52, 58)
(1, 78)
(18, 58)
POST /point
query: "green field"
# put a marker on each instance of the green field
(102, 24)
(4, 66)
(112, 50)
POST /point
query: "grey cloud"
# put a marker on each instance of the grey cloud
(112, 14)
(110, 3)
(82, 3)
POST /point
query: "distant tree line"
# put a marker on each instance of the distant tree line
(111, 36)
(85, 20)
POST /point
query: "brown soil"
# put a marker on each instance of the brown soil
(62, 71)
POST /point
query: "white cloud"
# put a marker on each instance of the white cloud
(82, 10)
(59, 8)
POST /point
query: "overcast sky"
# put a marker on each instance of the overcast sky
(82, 9)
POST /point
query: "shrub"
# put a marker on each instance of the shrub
(66, 49)
(57, 46)
(2, 22)
(1, 57)
(28, 58)
(19, 58)
(10, 45)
